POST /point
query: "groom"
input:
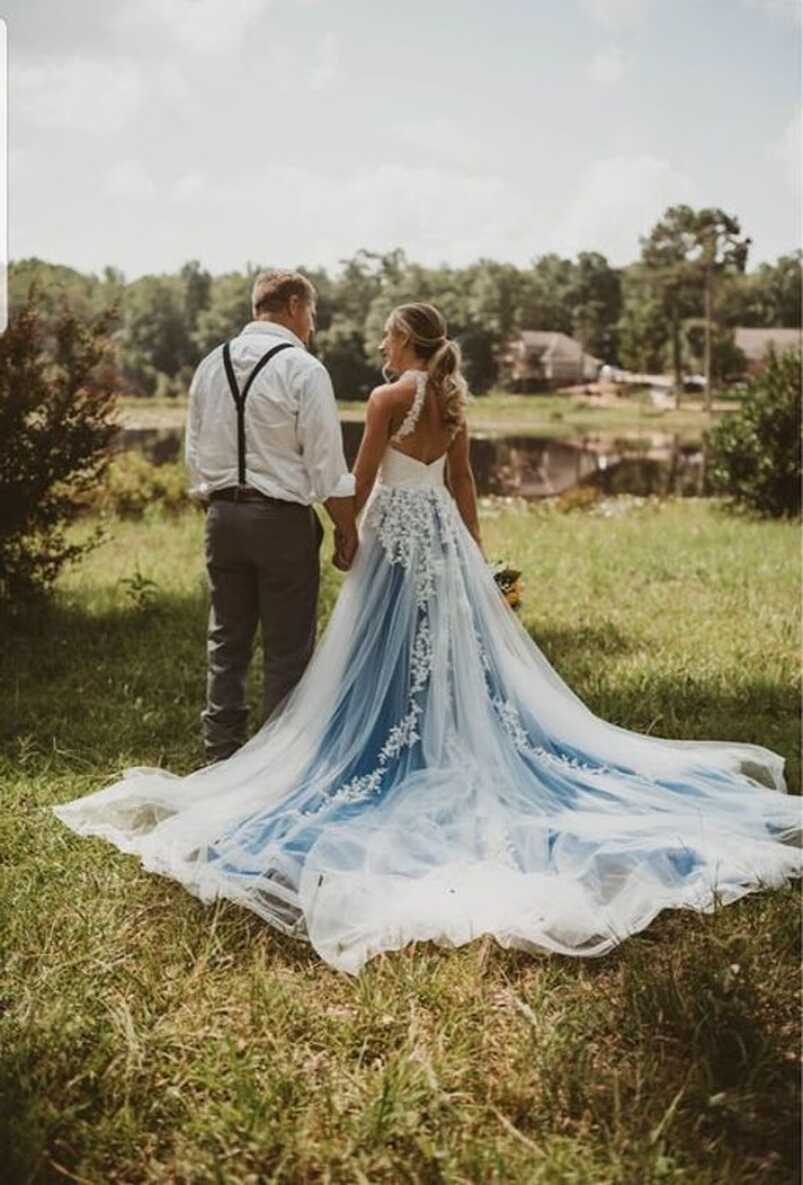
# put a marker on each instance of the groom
(263, 444)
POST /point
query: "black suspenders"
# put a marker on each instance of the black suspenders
(240, 398)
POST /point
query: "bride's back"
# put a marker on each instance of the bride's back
(417, 428)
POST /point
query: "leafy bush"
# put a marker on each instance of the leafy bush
(756, 451)
(133, 483)
(56, 399)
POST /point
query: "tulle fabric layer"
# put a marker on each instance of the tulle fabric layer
(432, 777)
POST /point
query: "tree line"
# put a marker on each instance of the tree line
(672, 310)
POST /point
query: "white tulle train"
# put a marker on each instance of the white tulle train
(432, 777)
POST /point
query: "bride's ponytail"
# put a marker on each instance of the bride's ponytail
(425, 327)
(446, 377)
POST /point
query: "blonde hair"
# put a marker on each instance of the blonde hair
(424, 326)
(272, 290)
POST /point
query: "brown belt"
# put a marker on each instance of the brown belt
(244, 494)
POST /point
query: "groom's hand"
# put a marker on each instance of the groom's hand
(345, 548)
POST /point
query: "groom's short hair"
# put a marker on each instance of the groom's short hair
(272, 290)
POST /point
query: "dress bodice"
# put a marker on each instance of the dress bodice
(400, 469)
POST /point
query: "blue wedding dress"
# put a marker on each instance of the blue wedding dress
(432, 778)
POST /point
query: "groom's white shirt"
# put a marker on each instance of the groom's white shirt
(294, 446)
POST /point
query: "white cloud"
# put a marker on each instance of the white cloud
(607, 65)
(129, 179)
(785, 9)
(616, 201)
(292, 215)
(435, 213)
(188, 186)
(175, 88)
(325, 63)
(787, 148)
(203, 26)
(78, 94)
(616, 14)
(441, 138)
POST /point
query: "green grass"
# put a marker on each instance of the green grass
(145, 1037)
(547, 415)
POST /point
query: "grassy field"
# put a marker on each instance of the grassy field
(549, 415)
(147, 1038)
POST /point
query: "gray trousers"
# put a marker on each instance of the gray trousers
(263, 565)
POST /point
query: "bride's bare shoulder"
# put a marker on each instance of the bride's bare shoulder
(389, 397)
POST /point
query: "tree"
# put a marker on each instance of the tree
(57, 289)
(720, 250)
(155, 338)
(642, 327)
(689, 249)
(325, 289)
(784, 279)
(596, 295)
(341, 348)
(755, 452)
(769, 297)
(727, 360)
(487, 314)
(228, 310)
(196, 285)
(341, 340)
(55, 431)
(668, 271)
(546, 300)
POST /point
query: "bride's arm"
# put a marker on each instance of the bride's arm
(461, 483)
(372, 447)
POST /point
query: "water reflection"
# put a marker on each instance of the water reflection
(530, 466)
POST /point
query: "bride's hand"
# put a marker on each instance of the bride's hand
(346, 544)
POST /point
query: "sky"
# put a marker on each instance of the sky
(145, 133)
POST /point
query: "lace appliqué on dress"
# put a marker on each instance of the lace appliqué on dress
(408, 523)
(402, 735)
(511, 721)
(510, 718)
(411, 419)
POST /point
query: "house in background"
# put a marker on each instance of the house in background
(534, 360)
(754, 344)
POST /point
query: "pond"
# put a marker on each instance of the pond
(528, 465)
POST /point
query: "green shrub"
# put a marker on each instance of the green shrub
(756, 451)
(133, 483)
(56, 400)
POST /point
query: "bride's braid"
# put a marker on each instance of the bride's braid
(425, 327)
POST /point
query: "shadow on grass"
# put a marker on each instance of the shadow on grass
(605, 640)
(682, 706)
(95, 685)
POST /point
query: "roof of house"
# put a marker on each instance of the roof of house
(549, 342)
(753, 342)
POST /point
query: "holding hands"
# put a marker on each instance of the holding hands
(346, 543)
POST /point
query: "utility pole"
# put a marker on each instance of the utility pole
(708, 278)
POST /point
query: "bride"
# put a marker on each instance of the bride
(431, 777)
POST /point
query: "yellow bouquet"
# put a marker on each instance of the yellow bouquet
(509, 582)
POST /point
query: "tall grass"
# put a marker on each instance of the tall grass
(146, 1038)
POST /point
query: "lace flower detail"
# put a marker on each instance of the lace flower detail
(411, 419)
(402, 735)
(409, 522)
(511, 721)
